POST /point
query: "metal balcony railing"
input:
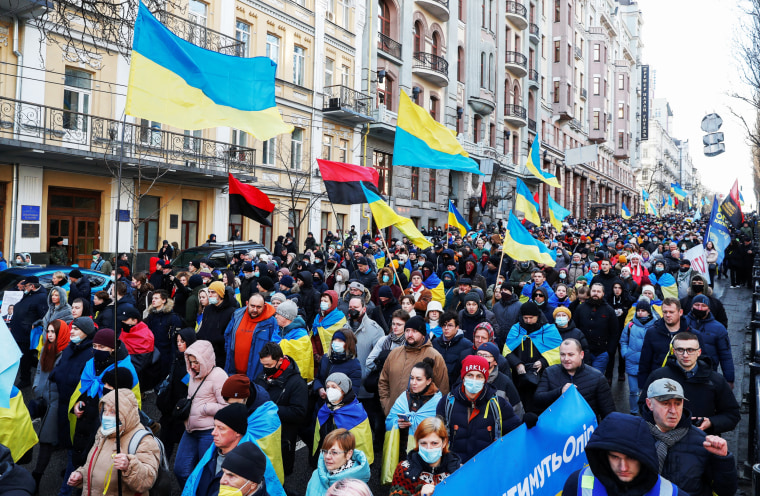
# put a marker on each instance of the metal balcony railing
(424, 60)
(445, 3)
(533, 75)
(343, 97)
(201, 36)
(511, 110)
(533, 29)
(54, 126)
(517, 8)
(517, 58)
(389, 45)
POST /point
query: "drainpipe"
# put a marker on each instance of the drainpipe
(14, 212)
(19, 67)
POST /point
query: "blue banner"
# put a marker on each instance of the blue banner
(530, 462)
(718, 231)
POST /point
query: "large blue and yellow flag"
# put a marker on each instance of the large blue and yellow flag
(644, 195)
(353, 418)
(17, 433)
(520, 245)
(421, 141)
(525, 203)
(174, 82)
(624, 211)
(651, 210)
(326, 326)
(10, 356)
(385, 216)
(297, 345)
(533, 164)
(456, 219)
(557, 213)
(677, 190)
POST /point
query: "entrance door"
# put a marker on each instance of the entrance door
(61, 226)
(87, 234)
(74, 214)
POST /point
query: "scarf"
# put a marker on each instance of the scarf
(345, 466)
(665, 440)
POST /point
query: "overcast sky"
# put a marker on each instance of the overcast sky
(691, 48)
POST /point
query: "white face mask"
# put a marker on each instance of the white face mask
(333, 395)
(339, 278)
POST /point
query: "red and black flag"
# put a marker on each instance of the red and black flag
(483, 197)
(731, 206)
(343, 182)
(250, 202)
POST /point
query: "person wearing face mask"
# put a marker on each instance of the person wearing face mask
(328, 320)
(385, 278)
(342, 410)
(295, 342)
(243, 471)
(428, 464)
(563, 320)
(683, 277)
(216, 317)
(663, 282)
(449, 280)
(522, 274)
(139, 342)
(138, 470)
(473, 411)
(699, 286)
(247, 282)
(341, 357)
(340, 280)
(628, 283)
(715, 341)
(539, 298)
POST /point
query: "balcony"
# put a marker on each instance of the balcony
(532, 125)
(347, 106)
(77, 142)
(534, 37)
(26, 9)
(517, 63)
(578, 53)
(201, 35)
(386, 44)
(533, 78)
(431, 68)
(518, 14)
(439, 8)
(584, 93)
(515, 115)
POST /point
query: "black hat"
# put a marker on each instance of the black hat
(248, 267)
(76, 273)
(31, 280)
(194, 263)
(165, 264)
(465, 280)
(530, 308)
(417, 323)
(95, 252)
(235, 417)
(128, 312)
(643, 304)
(472, 296)
(246, 460)
(195, 281)
(124, 376)
(362, 261)
(266, 283)
(84, 324)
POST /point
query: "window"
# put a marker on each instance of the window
(460, 9)
(385, 93)
(491, 71)
(239, 140)
(483, 13)
(192, 140)
(556, 92)
(596, 120)
(329, 68)
(621, 110)
(417, 36)
(569, 53)
(293, 217)
(147, 233)
(476, 129)
(150, 133)
(492, 135)
(324, 225)
(382, 163)
(597, 52)
(331, 10)
(189, 234)
(415, 183)
(557, 10)
(621, 139)
(569, 14)
(432, 182)
(299, 60)
(597, 82)
(621, 81)
(235, 224)
(434, 107)
(436, 43)
(343, 151)
(243, 34)
(265, 236)
(460, 64)
(327, 147)
(273, 48)
(383, 19)
(345, 75)
(482, 69)
(269, 147)
(77, 92)
(556, 51)
(490, 15)
(198, 14)
(345, 13)
(296, 148)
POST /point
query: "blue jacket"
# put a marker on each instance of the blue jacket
(715, 343)
(555, 302)
(528, 290)
(352, 368)
(631, 342)
(267, 330)
(321, 480)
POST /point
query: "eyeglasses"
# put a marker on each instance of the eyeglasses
(539, 295)
(332, 453)
(685, 351)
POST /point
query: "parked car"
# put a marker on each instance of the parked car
(9, 278)
(219, 253)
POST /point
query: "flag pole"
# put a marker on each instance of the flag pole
(115, 310)
(390, 262)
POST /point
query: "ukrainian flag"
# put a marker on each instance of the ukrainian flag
(670, 201)
(385, 216)
(421, 141)
(326, 327)
(625, 212)
(351, 417)
(557, 213)
(741, 199)
(651, 209)
(264, 430)
(297, 345)
(644, 195)
(17, 433)
(456, 219)
(380, 259)
(520, 245)
(435, 285)
(525, 203)
(180, 84)
(534, 165)
(546, 340)
(676, 189)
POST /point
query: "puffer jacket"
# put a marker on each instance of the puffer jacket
(164, 324)
(266, 330)
(631, 342)
(715, 343)
(657, 346)
(215, 321)
(467, 322)
(574, 271)
(451, 351)
(209, 399)
(65, 375)
(717, 309)
(322, 479)
(507, 312)
(62, 311)
(143, 465)
(590, 383)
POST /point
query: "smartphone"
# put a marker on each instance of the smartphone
(402, 417)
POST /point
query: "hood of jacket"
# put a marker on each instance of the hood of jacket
(360, 470)
(333, 300)
(204, 353)
(307, 278)
(343, 272)
(129, 418)
(167, 308)
(298, 323)
(385, 271)
(708, 290)
(61, 297)
(628, 435)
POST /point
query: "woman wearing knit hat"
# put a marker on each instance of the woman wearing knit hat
(473, 412)
(563, 321)
(340, 357)
(216, 316)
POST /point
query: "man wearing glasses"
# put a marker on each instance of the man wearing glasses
(712, 404)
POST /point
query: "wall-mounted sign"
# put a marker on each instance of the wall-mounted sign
(173, 221)
(30, 230)
(123, 215)
(30, 212)
(644, 102)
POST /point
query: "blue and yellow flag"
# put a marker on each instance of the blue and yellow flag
(297, 345)
(557, 213)
(525, 203)
(644, 195)
(421, 141)
(651, 210)
(624, 211)
(670, 201)
(435, 285)
(680, 193)
(533, 164)
(520, 245)
(456, 219)
(353, 418)
(18, 433)
(174, 82)
(380, 259)
(385, 216)
(546, 340)
(326, 326)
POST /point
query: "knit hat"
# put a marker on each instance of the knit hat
(124, 377)
(622, 259)
(530, 308)
(278, 297)
(564, 310)
(288, 310)
(236, 386)
(362, 261)
(465, 280)
(195, 281)
(433, 306)
(266, 283)
(246, 460)
(472, 296)
(105, 337)
(234, 416)
(417, 323)
(490, 348)
(217, 287)
(339, 335)
(76, 273)
(356, 285)
(286, 281)
(488, 327)
(248, 267)
(647, 287)
(476, 363)
(385, 292)
(700, 298)
(342, 380)
(644, 304)
(415, 273)
(86, 325)
(206, 274)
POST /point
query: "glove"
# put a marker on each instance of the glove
(530, 419)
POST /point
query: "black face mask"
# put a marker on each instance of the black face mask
(698, 288)
(126, 327)
(532, 327)
(699, 314)
(353, 314)
(270, 370)
(102, 359)
(684, 269)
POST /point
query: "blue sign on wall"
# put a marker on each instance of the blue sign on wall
(123, 215)
(30, 212)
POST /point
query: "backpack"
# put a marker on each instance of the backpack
(494, 405)
(163, 483)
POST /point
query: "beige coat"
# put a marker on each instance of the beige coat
(395, 375)
(143, 465)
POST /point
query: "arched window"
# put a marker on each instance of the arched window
(383, 18)
(436, 43)
(460, 64)
(478, 124)
(516, 94)
(417, 36)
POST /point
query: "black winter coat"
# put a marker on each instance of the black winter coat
(451, 351)
(79, 290)
(467, 322)
(215, 320)
(66, 375)
(30, 309)
(590, 383)
(598, 322)
(573, 332)
(507, 312)
(15, 481)
(289, 392)
(308, 299)
(369, 280)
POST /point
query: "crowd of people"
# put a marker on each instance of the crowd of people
(413, 360)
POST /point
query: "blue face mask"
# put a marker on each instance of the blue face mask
(338, 347)
(386, 278)
(75, 339)
(430, 456)
(108, 424)
(473, 386)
